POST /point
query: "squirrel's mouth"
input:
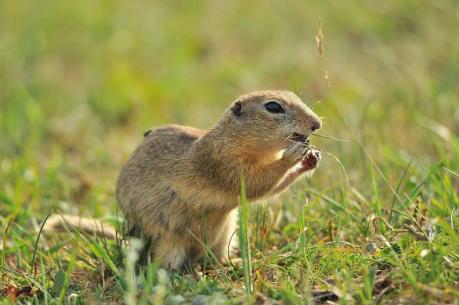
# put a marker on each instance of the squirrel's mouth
(298, 137)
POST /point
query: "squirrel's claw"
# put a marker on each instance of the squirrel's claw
(311, 160)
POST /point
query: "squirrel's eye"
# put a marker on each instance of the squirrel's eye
(274, 107)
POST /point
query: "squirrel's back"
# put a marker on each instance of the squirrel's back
(153, 163)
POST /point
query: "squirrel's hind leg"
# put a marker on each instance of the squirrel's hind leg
(227, 241)
(170, 254)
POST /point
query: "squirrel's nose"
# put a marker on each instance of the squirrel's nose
(316, 124)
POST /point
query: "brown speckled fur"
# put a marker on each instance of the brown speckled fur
(181, 185)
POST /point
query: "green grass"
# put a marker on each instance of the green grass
(81, 82)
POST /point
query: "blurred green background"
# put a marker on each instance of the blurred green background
(80, 81)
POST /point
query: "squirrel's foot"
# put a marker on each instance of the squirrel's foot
(171, 256)
(310, 161)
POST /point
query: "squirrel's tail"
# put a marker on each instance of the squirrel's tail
(69, 223)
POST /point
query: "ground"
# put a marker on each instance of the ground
(378, 222)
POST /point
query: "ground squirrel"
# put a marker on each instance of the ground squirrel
(180, 187)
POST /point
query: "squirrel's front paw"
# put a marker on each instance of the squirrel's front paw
(294, 152)
(311, 160)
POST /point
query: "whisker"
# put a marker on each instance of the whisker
(330, 137)
(289, 137)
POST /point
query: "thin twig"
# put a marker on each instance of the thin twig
(450, 171)
(337, 160)
(373, 162)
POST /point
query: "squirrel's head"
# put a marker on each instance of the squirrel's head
(268, 119)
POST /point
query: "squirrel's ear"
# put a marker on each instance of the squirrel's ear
(237, 109)
(146, 133)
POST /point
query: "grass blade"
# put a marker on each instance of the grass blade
(244, 241)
